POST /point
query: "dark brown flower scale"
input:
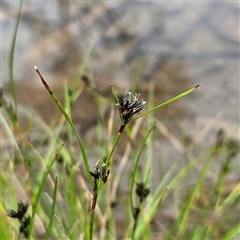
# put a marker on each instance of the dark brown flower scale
(128, 106)
(142, 191)
(20, 215)
(24, 228)
(21, 211)
(136, 213)
(100, 171)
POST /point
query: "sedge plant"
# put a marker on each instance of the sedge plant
(74, 202)
(128, 106)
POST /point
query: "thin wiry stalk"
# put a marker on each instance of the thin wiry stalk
(11, 58)
(43, 180)
(52, 209)
(70, 122)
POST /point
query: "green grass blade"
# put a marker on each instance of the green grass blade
(83, 66)
(11, 58)
(183, 173)
(233, 196)
(155, 202)
(12, 114)
(198, 233)
(4, 226)
(181, 222)
(52, 208)
(233, 233)
(9, 132)
(42, 182)
(76, 92)
(68, 111)
(168, 102)
(149, 150)
(99, 98)
(148, 214)
(139, 72)
(61, 108)
(136, 161)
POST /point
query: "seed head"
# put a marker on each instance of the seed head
(128, 106)
(100, 171)
(21, 211)
(142, 191)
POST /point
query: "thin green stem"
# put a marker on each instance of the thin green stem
(234, 232)
(133, 209)
(97, 186)
(83, 66)
(92, 213)
(113, 148)
(135, 168)
(11, 58)
(52, 209)
(149, 142)
(181, 222)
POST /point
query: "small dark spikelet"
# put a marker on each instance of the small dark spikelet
(128, 106)
(142, 191)
(105, 175)
(24, 228)
(13, 214)
(21, 211)
(20, 215)
(136, 213)
(94, 175)
(100, 171)
(114, 204)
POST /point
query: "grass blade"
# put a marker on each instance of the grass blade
(11, 58)
(181, 222)
(235, 231)
(83, 66)
(52, 209)
(42, 182)
(168, 102)
(136, 161)
(70, 122)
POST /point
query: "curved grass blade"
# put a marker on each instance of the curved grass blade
(149, 143)
(42, 182)
(52, 209)
(233, 233)
(149, 213)
(70, 122)
(168, 102)
(11, 58)
(232, 197)
(83, 66)
(135, 168)
(136, 162)
(181, 222)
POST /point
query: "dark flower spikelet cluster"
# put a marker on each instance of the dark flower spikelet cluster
(20, 215)
(100, 171)
(142, 191)
(128, 106)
